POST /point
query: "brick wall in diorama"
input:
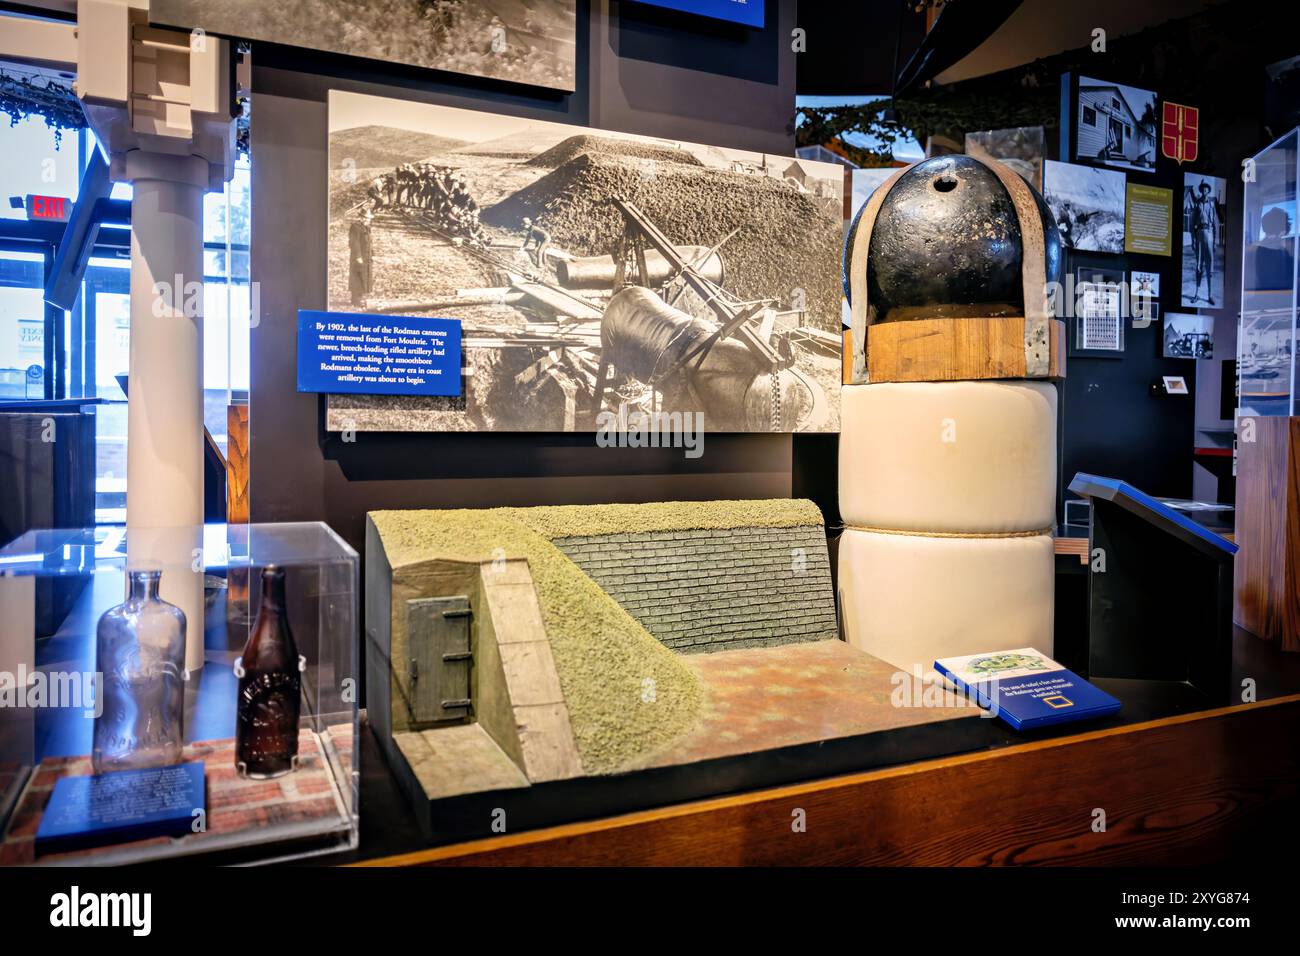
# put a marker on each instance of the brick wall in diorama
(702, 591)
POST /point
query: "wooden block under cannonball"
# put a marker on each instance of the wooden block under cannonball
(947, 350)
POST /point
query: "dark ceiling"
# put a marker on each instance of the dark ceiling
(856, 47)
(851, 44)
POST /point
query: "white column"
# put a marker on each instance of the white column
(164, 497)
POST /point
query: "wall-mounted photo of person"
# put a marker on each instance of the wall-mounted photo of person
(1204, 240)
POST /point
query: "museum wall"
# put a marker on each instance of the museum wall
(640, 70)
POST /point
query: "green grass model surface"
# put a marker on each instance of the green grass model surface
(628, 696)
(1005, 662)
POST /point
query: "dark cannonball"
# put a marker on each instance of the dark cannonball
(947, 243)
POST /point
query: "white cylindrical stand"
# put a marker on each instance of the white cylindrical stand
(164, 498)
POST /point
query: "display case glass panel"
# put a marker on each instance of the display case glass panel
(99, 662)
(1266, 353)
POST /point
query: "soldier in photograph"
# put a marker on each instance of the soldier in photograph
(380, 192)
(360, 256)
(1203, 226)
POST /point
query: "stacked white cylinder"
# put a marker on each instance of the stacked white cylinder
(948, 497)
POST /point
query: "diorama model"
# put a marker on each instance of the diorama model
(948, 444)
(531, 665)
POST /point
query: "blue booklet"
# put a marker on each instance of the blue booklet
(120, 806)
(1026, 688)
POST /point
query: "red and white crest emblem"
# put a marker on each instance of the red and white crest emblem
(1180, 132)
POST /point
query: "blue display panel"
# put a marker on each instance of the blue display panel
(1157, 512)
(747, 12)
(121, 805)
(358, 354)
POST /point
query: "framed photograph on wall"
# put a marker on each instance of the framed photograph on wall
(1115, 125)
(1144, 284)
(524, 41)
(1144, 295)
(1099, 296)
(1021, 148)
(1204, 240)
(590, 271)
(1188, 336)
(1088, 205)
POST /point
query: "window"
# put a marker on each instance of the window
(34, 161)
(92, 340)
(226, 299)
(1089, 116)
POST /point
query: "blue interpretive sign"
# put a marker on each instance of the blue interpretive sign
(358, 354)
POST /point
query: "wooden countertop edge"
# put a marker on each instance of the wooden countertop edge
(570, 831)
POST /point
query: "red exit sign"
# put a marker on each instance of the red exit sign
(55, 208)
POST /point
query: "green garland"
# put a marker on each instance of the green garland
(941, 111)
(22, 96)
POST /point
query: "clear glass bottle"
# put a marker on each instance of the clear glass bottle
(140, 651)
(270, 688)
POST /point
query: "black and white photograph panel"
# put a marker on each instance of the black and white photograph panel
(1204, 239)
(1189, 336)
(1020, 148)
(524, 41)
(1088, 205)
(592, 272)
(1116, 125)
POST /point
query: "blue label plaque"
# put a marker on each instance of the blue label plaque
(358, 354)
(121, 806)
(747, 12)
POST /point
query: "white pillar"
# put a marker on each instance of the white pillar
(164, 496)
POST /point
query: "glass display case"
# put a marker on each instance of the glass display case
(93, 660)
(1266, 353)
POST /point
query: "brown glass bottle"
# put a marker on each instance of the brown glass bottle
(270, 688)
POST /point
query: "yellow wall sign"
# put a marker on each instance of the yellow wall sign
(1148, 214)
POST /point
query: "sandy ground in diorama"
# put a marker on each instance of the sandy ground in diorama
(785, 248)
(764, 698)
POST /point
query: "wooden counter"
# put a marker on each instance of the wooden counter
(1194, 787)
(1181, 790)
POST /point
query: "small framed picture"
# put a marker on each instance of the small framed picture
(1175, 384)
(1144, 285)
(1188, 336)
(1145, 312)
(1099, 316)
